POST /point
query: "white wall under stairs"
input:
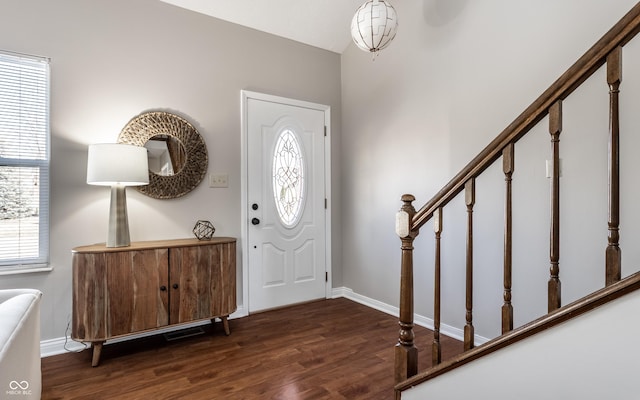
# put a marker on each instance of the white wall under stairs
(593, 356)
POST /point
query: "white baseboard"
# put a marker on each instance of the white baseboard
(418, 319)
(52, 347)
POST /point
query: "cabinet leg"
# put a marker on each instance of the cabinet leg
(225, 323)
(97, 350)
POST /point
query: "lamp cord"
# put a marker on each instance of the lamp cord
(66, 341)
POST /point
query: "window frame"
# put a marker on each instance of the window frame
(42, 261)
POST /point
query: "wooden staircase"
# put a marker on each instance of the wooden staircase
(607, 51)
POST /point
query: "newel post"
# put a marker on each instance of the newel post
(406, 353)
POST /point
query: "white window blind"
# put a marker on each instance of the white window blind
(24, 162)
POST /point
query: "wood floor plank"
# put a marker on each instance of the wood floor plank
(329, 349)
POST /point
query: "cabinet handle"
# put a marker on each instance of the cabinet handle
(175, 285)
(163, 288)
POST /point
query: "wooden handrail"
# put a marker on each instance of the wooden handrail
(579, 307)
(593, 59)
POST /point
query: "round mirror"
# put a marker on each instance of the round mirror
(177, 153)
(166, 155)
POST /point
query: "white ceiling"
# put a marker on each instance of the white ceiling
(325, 23)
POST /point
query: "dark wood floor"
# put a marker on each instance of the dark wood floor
(330, 349)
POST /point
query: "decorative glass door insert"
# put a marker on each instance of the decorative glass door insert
(288, 178)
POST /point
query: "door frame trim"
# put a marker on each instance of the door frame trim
(245, 95)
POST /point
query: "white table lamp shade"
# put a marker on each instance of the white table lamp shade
(117, 164)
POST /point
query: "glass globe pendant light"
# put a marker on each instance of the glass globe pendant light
(374, 25)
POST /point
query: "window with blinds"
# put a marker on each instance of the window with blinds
(24, 162)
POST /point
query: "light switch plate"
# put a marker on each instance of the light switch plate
(218, 180)
(549, 168)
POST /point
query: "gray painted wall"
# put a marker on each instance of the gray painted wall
(112, 60)
(457, 73)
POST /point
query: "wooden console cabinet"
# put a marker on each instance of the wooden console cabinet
(149, 285)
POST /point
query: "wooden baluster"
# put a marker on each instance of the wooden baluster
(613, 252)
(436, 353)
(555, 127)
(470, 199)
(507, 168)
(406, 353)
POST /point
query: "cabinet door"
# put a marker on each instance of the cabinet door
(135, 282)
(89, 292)
(202, 282)
(223, 301)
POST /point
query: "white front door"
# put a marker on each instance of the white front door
(285, 201)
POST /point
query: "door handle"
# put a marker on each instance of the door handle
(255, 221)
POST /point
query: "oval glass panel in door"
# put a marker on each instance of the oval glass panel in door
(288, 178)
